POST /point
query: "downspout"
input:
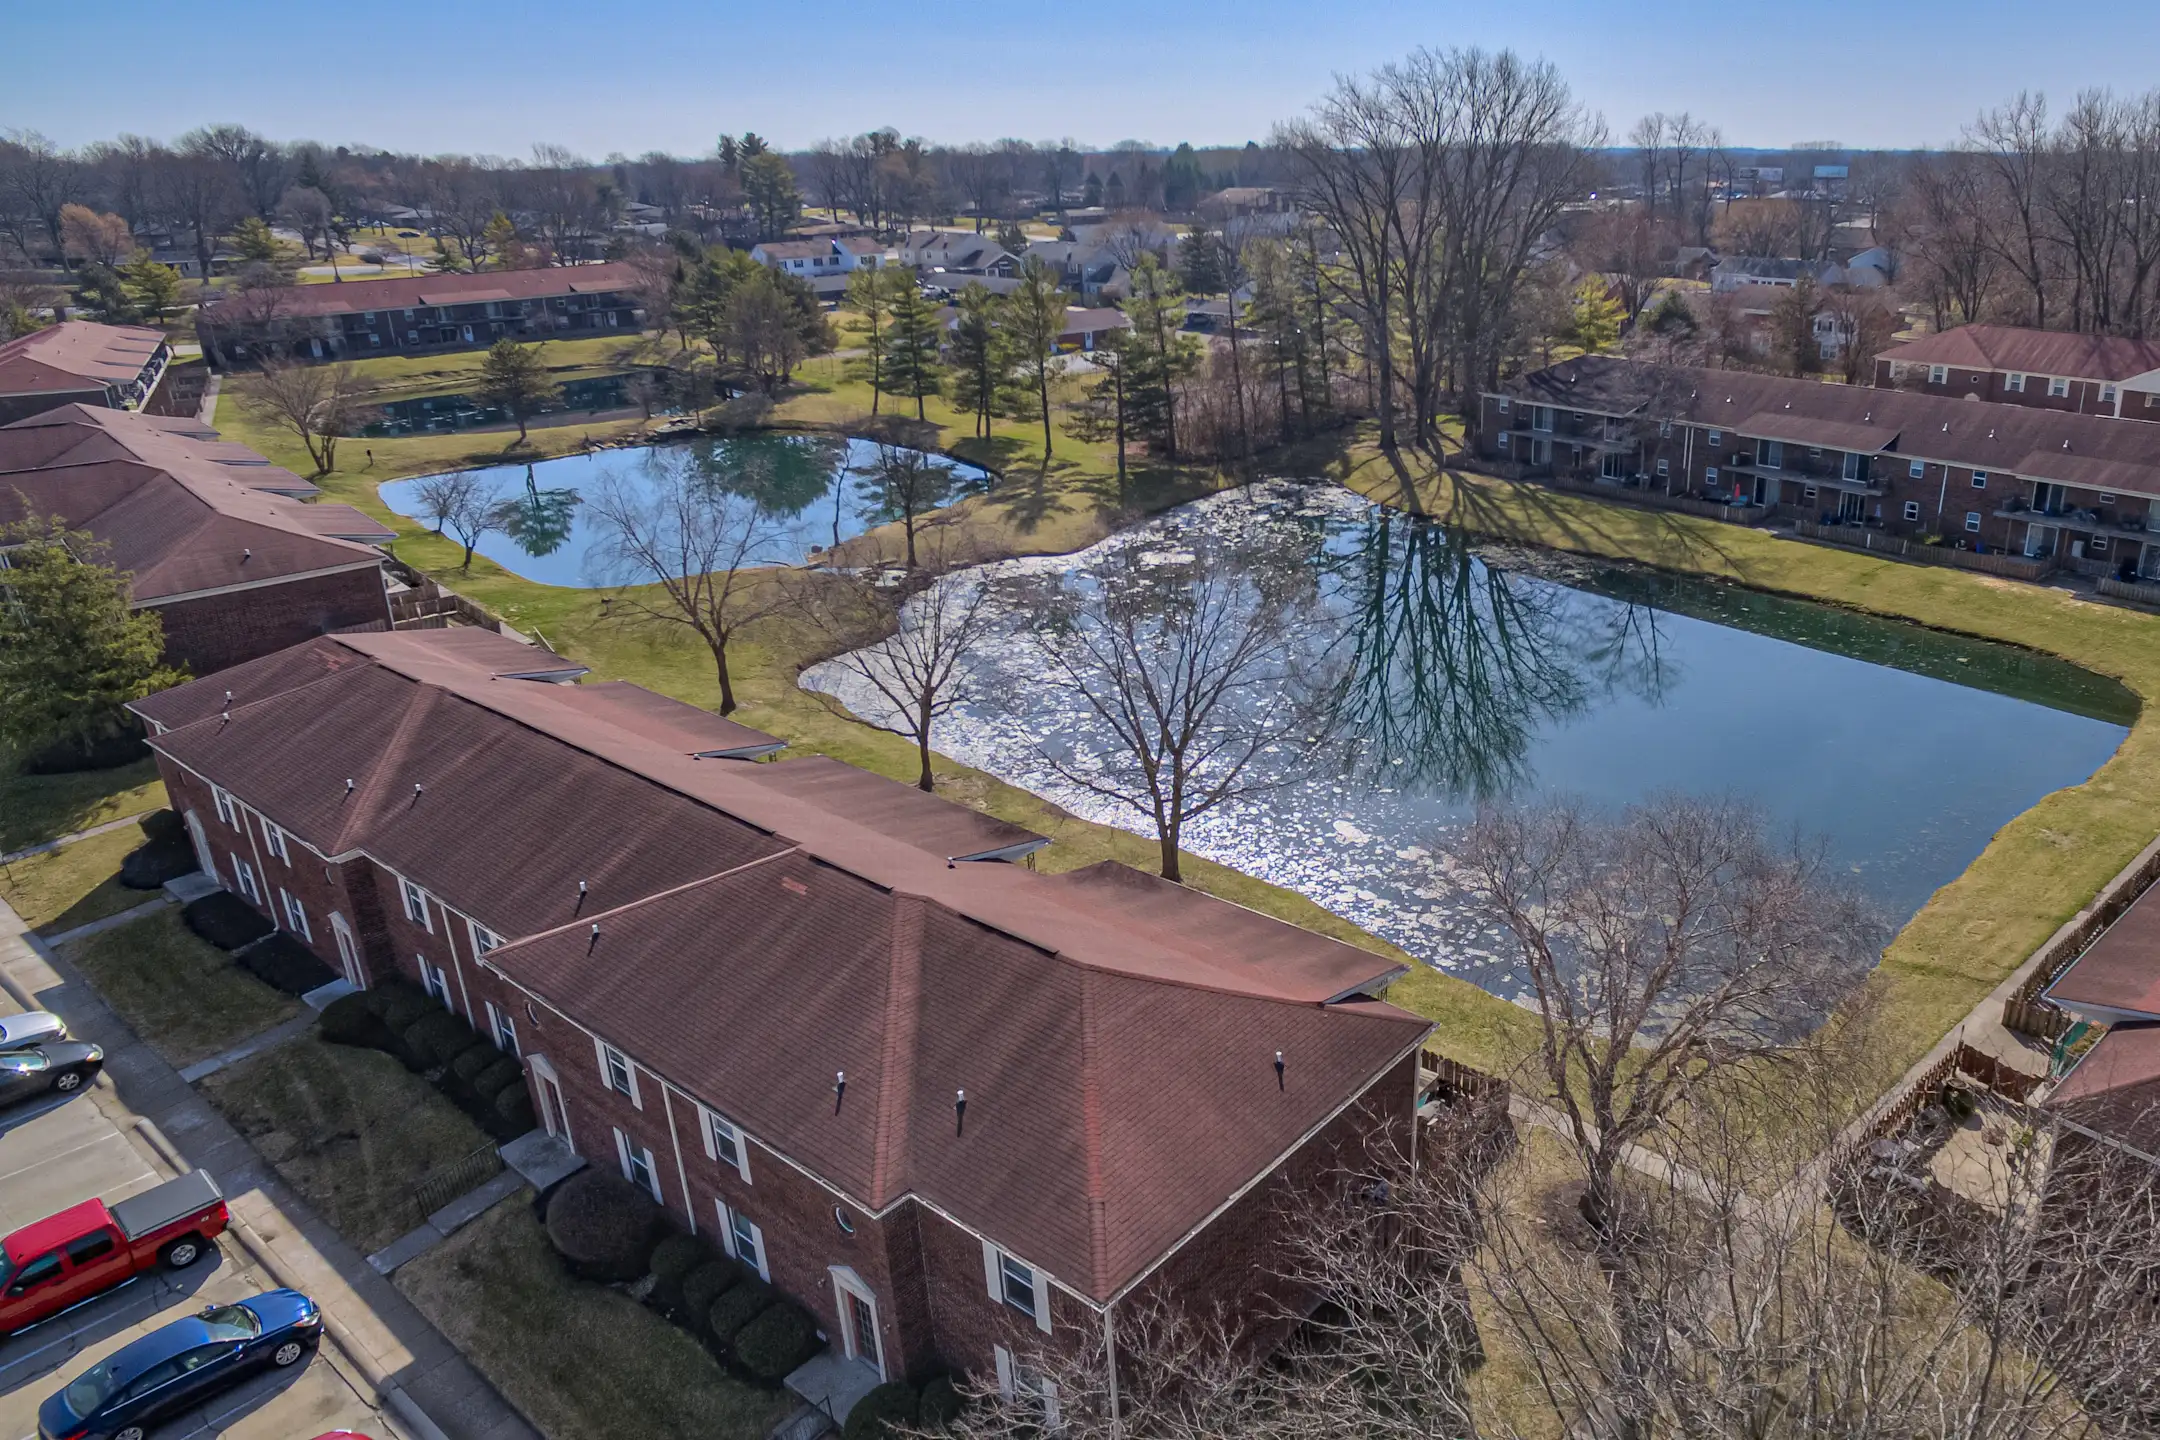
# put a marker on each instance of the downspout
(1942, 498)
(1109, 1341)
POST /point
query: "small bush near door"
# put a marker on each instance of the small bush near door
(777, 1341)
(883, 1414)
(225, 920)
(942, 1402)
(605, 1227)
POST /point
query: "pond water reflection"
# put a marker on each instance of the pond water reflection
(817, 490)
(1462, 674)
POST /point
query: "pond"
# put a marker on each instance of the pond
(1465, 674)
(447, 414)
(813, 491)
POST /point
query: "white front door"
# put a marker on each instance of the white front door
(858, 1319)
(203, 855)
(348, 953)
(553, 1116)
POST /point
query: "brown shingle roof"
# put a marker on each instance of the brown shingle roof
(2092, 451)
(1115, 1033)
(177, 520)
(2031, 352)
(353, 297)
(2121, 969)
(2114, 1090)
(74, 355)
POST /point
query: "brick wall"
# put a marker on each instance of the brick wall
(215, 631)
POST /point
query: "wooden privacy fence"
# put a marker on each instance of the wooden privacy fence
(2136, 592)
(2025, 1012)
(1875, 542)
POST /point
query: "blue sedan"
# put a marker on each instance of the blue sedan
(180, 1366)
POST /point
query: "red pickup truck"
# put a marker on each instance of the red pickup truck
(87, 1249)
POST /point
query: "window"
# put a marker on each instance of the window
(374, 340)
(295, 914)
(2099, 545)
(483, 939)
(1664, 429)
(1917, 470)
(86, 1248)
(43, 1270)
(1854, 466)
(724, 1142)
(224, 802)
(1912, 510)
(1770, 454)
(1716, 438)
(412, 337)
(1972, 520)
(1541, 418)
(637, 1164)
(2014, 382)
(416, 904)
(1664, 468)
(245, 874)
(620, 1074)
(504, 1029)
(1504, 404)
(1016, 1283)
(1017, 1382)
(743, 1238)
(1938, 374)
(1979, 479)
(2058, 388)
(1807, 492)
(1503, 439)
(436, 981)
(1709, 476)
(2106, 499)
(274, 842)
(2107, 394)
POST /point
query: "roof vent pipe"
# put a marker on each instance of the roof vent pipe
(839, 1089)
(959, 1112)
(348, 785)
(595, 940)
(1279, 1071)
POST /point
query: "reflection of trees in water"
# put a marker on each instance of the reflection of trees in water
(784, 474)
(539, 521)
(1450, 665)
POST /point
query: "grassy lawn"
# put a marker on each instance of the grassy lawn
(2039, 869)
(181, 994)
(35, 808)
(581, 1361)
(351, 1130)
(75, 884)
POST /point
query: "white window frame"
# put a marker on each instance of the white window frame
(632, 1155)
(1503, 440)
(295, 914)
(1503, 404)
(226, 810)
(502, 1029)
(244, 877)
(610, 1057)
(1972, 521)
(1807, 492)
(1938, 374)
(1912, 510)
(2106, 498)
(1664, 467)
(733, 1224)
(1709, 476)
(1979, 479)
(2014, 382)
(2107, 394)
(415, 901)
(1012, 1376)
(435, 980)
(722, 1135)
(483, 939)
(2058, 388)
(1001, 1268)
(1917, 470)
(1716, 439)
(274, 841)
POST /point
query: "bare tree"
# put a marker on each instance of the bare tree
(464, 502)
(685, 554)
(1192, 672)
(1663, 949)
(909, 643)
(319, 404)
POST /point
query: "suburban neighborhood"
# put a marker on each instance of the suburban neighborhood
(1391, 774)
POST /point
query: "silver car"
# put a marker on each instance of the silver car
(33, 1027)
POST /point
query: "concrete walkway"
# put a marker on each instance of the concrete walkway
(418, 1375)
(47, 847)
(446, 1222)
(254, 1045)
(110, 922)
(206, 413)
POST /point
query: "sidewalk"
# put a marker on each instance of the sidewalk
(417, 1373)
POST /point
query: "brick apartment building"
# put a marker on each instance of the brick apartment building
(952, 1105)
(216, 539)
(76, 362)
(2045, 369)
(423, 314)
(2082, 489)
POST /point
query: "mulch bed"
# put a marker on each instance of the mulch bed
(225, 920)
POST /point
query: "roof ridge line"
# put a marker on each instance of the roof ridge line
(1098, 1220)
(348, 833)
(896, 1080)
(598, 915)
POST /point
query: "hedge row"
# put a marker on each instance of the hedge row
(406, 1023)
(165, 854)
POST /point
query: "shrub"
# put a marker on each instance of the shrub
(347, 1020)
(603, 1225)
(473, 1059)
(154, 862)
(942, 1403)
(400, 1006)
(514, 1112)
(498, 1076)
(284, 964)
(777, 1341)
(225, 920)
(713, 1277)
(880, 1414)
(736, 1308)
(163, 825)
(439, 1038)
(675, 1257)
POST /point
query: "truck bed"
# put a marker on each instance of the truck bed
(153, 1209)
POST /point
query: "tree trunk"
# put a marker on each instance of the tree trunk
(1045, 388)
(922, 745)
(1170, 870)
(727, 684)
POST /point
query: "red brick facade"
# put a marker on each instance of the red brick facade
(218, 630)
(2035, 392)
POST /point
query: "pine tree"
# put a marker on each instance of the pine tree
(71, 651)
(153, 288)
(1034, 316)
(1162, 354)
(911, 343)
(252, 239)
(981, 368)
(1594, 317)
(514, 378)
(1199, 261)
(869, 294)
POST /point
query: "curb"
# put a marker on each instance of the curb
(387, 1392)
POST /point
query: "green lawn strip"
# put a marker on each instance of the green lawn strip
(352, 1130)
(2039, 869)
(74, 884)
(580, 1361)
(178, 992)
(37, 808)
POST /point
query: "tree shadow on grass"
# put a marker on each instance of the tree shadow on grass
(1029, 499)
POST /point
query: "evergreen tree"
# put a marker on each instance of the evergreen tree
(1163, 354)
(1011, 237)
(1594, 317)
(869, 294)
(254, 243)
(1181, 180)
(99, 290)
(911, 343)
(980, 365)
(71, 651)
(1034, 316)
(768, 185)
(514, 378)
(1199, 261)
(154, 289)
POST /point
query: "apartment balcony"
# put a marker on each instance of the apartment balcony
(2083, 522)
(1804, 477)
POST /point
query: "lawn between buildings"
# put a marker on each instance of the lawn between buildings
(2038, 871)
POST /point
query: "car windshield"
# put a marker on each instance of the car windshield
(232, 1322)
(91, 1388)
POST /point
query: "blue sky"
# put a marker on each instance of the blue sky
(493, 77)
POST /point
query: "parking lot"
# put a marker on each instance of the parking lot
(54, 1153)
